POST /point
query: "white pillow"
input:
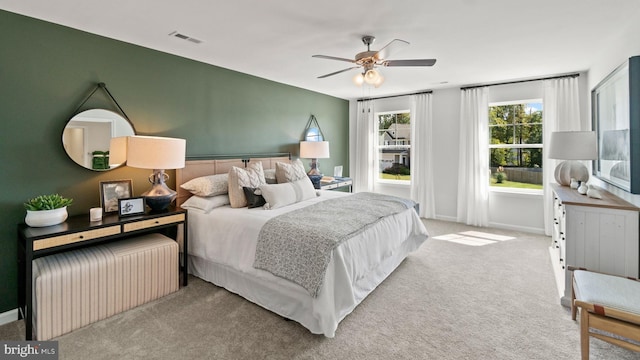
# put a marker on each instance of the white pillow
(270, 176)
(290, 172)
(279, 195)
(252, 176)
(205, 204)
(211, 185)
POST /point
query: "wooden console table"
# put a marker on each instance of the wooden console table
(78, 231)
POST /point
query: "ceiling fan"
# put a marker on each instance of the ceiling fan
(370, 59)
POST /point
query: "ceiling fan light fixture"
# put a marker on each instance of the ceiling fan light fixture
(358, 79)
(371, 76)
(379, 81)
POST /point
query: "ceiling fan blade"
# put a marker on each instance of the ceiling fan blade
(333, 58)
(392, 47)
(338, 72)
(416, 62)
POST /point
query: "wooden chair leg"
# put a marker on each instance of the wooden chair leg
(573, 300)
(584, 334)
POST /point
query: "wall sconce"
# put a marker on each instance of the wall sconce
(159, 154)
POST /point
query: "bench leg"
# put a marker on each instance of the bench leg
(573, 300)
(584, 334)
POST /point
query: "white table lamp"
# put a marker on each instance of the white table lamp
(572, 146)
(314, 150)
(159, 154)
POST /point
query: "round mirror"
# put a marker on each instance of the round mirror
(87, 137)
(313, 134)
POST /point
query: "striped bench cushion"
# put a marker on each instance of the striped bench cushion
(76, 288)
(607, 290)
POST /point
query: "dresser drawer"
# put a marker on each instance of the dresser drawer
(75, 237)
(145, 224)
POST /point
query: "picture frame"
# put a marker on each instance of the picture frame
(616, 121)
(113, 190)
(337, 171)
(131, 206)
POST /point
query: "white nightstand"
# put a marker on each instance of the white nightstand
(337, 183)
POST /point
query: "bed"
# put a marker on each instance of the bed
(224, 248)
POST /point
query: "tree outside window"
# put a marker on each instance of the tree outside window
(515, 145)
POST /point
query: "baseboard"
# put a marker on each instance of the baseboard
(526, 229)
(8, 316)
(446, 218)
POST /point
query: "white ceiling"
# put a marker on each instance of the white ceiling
(474, 41)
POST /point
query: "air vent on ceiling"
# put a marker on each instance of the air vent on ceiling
(185, 37)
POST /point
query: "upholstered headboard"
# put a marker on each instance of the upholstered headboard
(212, 165)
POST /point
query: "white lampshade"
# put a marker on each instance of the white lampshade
(573, 145)
(314, 149)
(153, 152)
(118, 150)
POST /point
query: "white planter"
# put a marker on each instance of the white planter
(43, 218)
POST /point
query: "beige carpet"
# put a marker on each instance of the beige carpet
(448, 300)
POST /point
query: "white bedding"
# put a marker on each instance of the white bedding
(222, 250)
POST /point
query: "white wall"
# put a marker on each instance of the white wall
(506, 210)
(606, 60)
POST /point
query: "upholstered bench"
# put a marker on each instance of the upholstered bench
(608, 304)
(76, 288)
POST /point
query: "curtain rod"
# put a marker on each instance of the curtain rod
(392, 96)
(521, 81)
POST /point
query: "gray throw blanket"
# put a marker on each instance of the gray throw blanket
(297, 245)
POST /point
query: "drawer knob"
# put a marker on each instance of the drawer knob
(157, 222)
(81, 236)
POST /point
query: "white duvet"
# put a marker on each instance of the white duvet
(222, 247)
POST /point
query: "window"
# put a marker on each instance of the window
(515, 144)
(394, 145)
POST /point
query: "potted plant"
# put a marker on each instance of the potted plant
(501, 176)
(46, 210)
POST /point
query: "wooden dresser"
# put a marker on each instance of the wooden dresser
(598, 234)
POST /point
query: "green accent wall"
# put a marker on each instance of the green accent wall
(47, 70)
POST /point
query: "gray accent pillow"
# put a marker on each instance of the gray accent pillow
(270, 176)
(254, 197)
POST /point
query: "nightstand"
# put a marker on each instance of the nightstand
(76, 232)
(339, 182)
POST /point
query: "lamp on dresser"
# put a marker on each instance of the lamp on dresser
(159, 154)
(572, 146)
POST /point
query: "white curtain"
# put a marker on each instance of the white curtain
(473, 171)
(422, 155)
(365, 141)
(561, 112)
